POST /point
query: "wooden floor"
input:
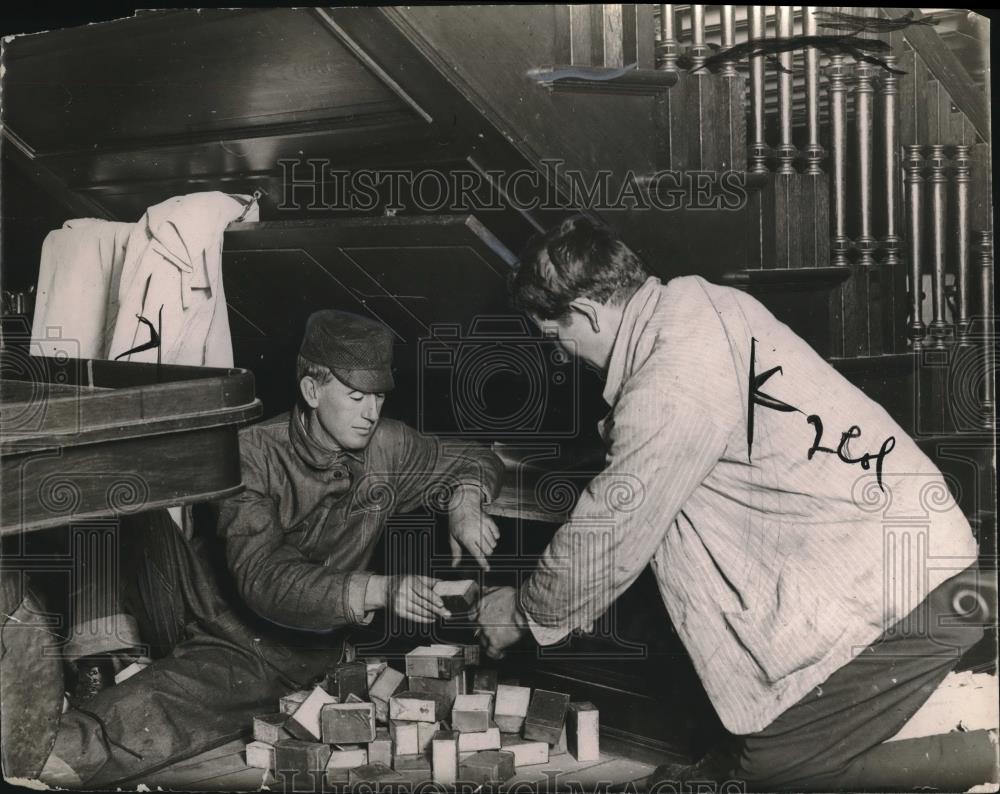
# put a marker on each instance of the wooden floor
(223, 769)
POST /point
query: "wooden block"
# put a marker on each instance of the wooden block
(374, 774)
(127, 672)
(471, 654)
(474, 742)
(458, 596)
(546, 716)
(294, 755)
(485, 682)
(348, 678)
(348, 758)
(304, 722)
(415, 768)
(289, 703)
(425, 732)
(487, 766)
(584, 731)
(526, 753)
(270, 728)
(444, 757)
(471, 713)
(388, 683)
(443, 690)
(380, 750)
(412, 707)
(348, 723)
(511, 707)
(260, 755)
(405, 737)
(373, 669)
(560, 747)
(435, 661)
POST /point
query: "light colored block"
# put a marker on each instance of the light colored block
(425, 732)
(511, 707)
(289, 703)
(127, 672)
(380, 750)
(471, 713)
(405, 737)
(526, 753)
(304, 722)
(412, 707)
(458, 596)
(389, 682)
(348, 723)
(584, 731)
(560, 747)
(270, 728)
(348, 759)
(484, 740)
(444, 757)
(374, 668)
(435, 661)
(260, 755)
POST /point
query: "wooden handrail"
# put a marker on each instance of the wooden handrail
(945, 67)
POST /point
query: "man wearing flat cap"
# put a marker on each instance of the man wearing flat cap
(321, 483)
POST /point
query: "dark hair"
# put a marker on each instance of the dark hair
(319, 372)
(576, 259)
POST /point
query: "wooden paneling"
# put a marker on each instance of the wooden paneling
(211, 71)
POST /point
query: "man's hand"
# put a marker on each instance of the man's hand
(471, 528)
(413, 598)
(501, 622)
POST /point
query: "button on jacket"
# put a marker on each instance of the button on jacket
(779, 555)
(300, 538)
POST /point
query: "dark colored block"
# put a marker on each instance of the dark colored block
(374, 774)
(485, 682)
(443, 690)
(348, 723)
(293, 755)
(487, 766)
(546, 716)
(458, 597)
(270, 728)
(415, 768)
(349, 678)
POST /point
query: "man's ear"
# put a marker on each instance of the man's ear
(309, 392)
(588, 309)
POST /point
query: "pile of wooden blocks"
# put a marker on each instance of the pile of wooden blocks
(443, 721)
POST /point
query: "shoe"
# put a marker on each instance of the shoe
(715, 766)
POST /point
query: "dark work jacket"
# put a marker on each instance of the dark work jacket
(300, 538)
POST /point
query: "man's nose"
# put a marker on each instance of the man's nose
(369, 408)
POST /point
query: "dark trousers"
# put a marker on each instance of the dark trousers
(822, 741)
(215, 665)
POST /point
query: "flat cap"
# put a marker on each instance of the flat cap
(357, 350)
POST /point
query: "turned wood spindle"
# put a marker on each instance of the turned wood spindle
(963, 178)
(891, 243)
(728, 37)
(758, 145)
(785, 151)
(913, 165)
(940, 330)
(813, 150)
(666, 49)
(698, 49)
(864, 93)
(837, 74)
(988, 350)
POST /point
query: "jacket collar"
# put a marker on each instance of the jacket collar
(313, 453)
(638, 312)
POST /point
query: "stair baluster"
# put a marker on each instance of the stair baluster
(989, 365)
(940, 330)
(814, 187)
(758, 148)
(838, 167)
(913, 165)
(963, 178)
(666, 51)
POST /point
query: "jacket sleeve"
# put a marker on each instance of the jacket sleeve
(427, 469)
(273, 577)
(660, 451)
